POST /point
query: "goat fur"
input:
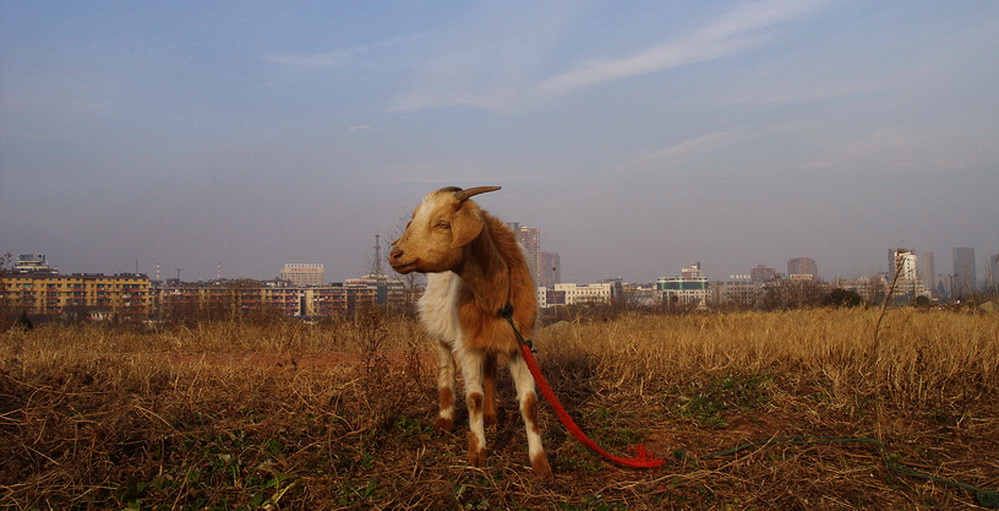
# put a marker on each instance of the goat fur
(474, 267)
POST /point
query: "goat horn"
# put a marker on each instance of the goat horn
(465, 194)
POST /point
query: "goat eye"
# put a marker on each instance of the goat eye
(443, 225)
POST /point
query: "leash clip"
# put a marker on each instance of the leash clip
(507, 313)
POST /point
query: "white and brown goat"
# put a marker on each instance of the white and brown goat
(474, 268)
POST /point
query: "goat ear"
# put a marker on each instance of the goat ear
(466, 224)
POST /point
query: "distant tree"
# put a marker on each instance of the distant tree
(413, 282)
(921, 302)
(25, 322)
(840, 297)
(793, 294)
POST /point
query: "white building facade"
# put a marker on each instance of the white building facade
(303, 274)
(585, 293)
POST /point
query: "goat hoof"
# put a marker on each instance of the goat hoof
(476, 451)
(443, 424)
(541, 469)
(477, 458)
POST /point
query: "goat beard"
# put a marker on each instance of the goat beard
(419, 266)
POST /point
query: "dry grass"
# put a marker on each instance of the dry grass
(293, 416)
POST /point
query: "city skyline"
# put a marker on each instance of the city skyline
(638, 139)
(915, 268)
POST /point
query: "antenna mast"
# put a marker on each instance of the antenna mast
(376, 265)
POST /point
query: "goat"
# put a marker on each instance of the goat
(474, 267)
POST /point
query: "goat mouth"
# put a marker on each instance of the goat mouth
(403, 268)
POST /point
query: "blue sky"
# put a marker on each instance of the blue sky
(638, 136)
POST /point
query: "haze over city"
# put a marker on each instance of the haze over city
(638, 137)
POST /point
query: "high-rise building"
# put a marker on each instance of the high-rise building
(992, 273)
(927, 273)
(908, 286)
(761, 273)
(551, 269)
(965, 280)
(902, 260)
(303, 274)
(530, 239)
(802, 267)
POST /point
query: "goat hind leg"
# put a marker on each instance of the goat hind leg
(528, 399)
(489, 390)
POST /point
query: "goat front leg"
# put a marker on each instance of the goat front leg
(445, 387)
(471, 363)
(528, 399)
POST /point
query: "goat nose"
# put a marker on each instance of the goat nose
(395, 254)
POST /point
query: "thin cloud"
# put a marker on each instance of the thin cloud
(360, 127)
(911, 148)
(738, 31)
(478, 64)
(671, 55)
(482, 67)
(334, 58)
(680, 151)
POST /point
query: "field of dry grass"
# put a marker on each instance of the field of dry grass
(294, 416)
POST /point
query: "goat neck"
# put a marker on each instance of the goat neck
(485, 267)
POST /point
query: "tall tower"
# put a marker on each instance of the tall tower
(992, 276)
(530, 239)
(927, 273)
(376, 264)
(902, 260)
(965, 280)
(551, 269)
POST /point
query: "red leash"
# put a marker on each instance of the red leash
(644, 459)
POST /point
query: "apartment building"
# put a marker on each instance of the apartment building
(741, 291)
(247, 297)
(124, 294)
